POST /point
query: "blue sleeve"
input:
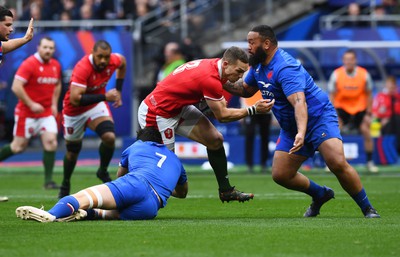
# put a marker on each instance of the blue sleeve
(124, 158)
(292, 80)
(250, 79)
(183, 178)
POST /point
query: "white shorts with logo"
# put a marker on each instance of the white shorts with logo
(182, 124)
(75, 126)
(27, 127)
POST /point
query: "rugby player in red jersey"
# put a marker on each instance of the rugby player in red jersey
(37, 85)
(169, 107)
(85, 106)
(7, 45)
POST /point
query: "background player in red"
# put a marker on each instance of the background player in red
(37, 84)
(170, 109)
(85, 106)
(7, 45)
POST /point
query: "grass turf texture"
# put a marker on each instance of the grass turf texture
(270, 225)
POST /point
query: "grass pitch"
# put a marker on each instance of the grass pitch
(270, 225)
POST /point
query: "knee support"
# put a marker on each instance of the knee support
(74, 147)
(104, 127)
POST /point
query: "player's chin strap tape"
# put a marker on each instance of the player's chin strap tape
(118, 85)
(88, 99)
(74, 147)
(105, 126)
(251, 110)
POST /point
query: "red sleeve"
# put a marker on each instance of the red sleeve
(81, 74)
(24, 71)
(212, 89)
(116, 59)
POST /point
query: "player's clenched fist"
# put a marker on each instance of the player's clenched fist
(264, 105)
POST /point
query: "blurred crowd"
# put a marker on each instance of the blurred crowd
(91, 9)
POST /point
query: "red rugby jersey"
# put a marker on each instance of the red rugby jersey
(40, 79)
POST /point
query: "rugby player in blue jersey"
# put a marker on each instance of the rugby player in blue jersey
(148, 174)
(307, 118)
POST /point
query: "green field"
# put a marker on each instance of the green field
(269, 225)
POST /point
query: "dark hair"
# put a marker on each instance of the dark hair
(5, 12)
(102, 44)
(45, 38)
(234, 53)
(266, 32)
(149, 134)
(350, 51)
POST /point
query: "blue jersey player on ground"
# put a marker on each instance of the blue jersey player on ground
(148, 175)
(307, 118)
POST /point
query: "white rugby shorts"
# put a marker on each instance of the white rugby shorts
(181, 124)
(27, 127)
(74, 126)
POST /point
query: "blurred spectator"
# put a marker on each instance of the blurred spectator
(72, 7)
(191, 50)
(350, 87)
(391, 6)
(86, 14)
(354, 12)
(386, 107)
(256, 124)
(173, 58)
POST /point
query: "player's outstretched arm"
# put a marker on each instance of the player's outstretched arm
(13, 44)
(224, 114)
(181, 191)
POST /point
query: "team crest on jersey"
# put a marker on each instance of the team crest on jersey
(269, 75)
(108, 72)
(168, 133)
(70, 130)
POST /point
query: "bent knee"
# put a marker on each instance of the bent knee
(280, 178)
(215, 142)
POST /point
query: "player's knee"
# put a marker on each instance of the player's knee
(337, 164)
(73, 148)
(50, 144)
(279, 178)
(215, 142)
(104, 128)
(18, 147)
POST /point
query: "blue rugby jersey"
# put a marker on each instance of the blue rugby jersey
(156, 164)
(282, 77)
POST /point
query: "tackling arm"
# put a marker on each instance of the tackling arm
(181, 191)
(224, 114)
(13, 44)
(298, 101)
(121, 171)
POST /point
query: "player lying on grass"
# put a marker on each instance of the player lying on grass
(148, 174)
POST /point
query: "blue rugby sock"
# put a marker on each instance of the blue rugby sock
(361, 199)
(65, 207)
(314, 190)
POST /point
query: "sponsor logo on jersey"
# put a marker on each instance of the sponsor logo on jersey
(265, 90)
(47, 80)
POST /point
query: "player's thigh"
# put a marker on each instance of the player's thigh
(285, 165)
(74, 127)
(196, 126)
(333, 153)
(146, 209)
(48, 133)
(99, 196)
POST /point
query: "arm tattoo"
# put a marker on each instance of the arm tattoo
(236, 88)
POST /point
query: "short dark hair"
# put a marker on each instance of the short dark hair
(266, 32)
(234, 53)
(149, 134)
(45, 38)
(102, 44)
(5, 12)
(350, 51)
